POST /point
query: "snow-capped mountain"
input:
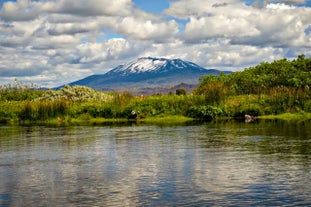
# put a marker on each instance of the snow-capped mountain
(154, 65)
(141, 65)
(148, 72)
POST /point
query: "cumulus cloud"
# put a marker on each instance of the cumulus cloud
(146, 30)
(202, 28)
(23, 8)
(187, 8)
(277, 25)
(72, 28)
(92, 7)
(294, 1)
(53, 42)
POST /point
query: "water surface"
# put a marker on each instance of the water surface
(211, 164)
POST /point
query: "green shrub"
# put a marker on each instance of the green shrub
(252, 109)
(27, 112)
(76, 94)
(51, 109)
(109, 111)
(206, 112)
(307, 105)
(5, 116)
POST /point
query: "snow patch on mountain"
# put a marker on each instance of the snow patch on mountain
(143, 65)
(153, 65)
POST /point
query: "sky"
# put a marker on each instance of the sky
(54, 42)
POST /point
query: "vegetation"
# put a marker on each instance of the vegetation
(17, 91)
(282, 86)
(275, 88)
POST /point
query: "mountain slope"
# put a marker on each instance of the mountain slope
(147, 72)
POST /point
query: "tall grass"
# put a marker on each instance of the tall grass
(18, 91)
(119, 106)
(43, 110)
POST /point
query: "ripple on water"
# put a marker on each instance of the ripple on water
(201, 165)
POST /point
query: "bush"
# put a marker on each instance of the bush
(27, 112)
(253, 110)
(206, 112)
(307, 106)
(76, 94)
(109, 111)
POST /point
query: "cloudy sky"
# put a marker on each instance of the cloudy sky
(52, 42)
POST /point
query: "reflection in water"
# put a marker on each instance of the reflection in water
(222, 164)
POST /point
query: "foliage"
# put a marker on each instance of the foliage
(118, 106)
(205, 112)
(18, 91)
(213, 88)
(238, 106)
(164, 104)
(76, 94)
(43, 110)
(96, 110)
(8, 111)
(280, 86)
(280, 73)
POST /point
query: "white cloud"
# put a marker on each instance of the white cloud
(279, 27)
(187, 8)
(73, 28)
(217, 54)
(52, 42)
(146, 30)
(22, 7)
(202, 28)
(294, 1)
(92, 7)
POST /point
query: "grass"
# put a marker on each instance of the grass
(80, 105)
(301, 116)
(167, 119)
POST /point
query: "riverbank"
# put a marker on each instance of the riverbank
(100, 120)
(301, 116)
(162, 120)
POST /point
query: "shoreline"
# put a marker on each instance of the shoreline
(300, 116)
(169, 119)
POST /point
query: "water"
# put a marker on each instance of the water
(211, 164)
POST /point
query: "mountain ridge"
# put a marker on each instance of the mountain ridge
(147, 72)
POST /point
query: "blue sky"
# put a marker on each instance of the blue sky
(152, 6)
(52, 42)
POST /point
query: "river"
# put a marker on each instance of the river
(267, 163)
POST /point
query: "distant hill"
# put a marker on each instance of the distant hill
(148, 73)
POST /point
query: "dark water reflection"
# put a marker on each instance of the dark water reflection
(214, 164)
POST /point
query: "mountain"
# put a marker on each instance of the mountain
(148, 72)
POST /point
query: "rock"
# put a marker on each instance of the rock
(133, 115)
(249, 118)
